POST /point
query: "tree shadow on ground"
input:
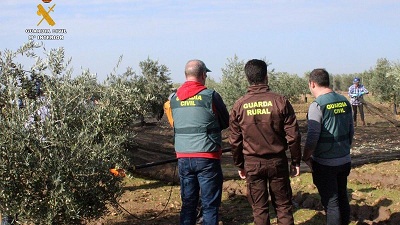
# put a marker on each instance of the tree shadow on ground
(361, 213)
(236, 210)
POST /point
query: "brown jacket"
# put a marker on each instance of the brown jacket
(262, 123)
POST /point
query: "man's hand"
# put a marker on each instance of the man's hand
(242, 173)
(294, 171)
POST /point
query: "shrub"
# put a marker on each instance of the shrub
(54, 167)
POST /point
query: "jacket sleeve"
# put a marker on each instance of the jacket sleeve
(292, 131)
(351, 128)
(221, 111)
(365, 90)
(168, 112)
(314, 118)
(236, 139)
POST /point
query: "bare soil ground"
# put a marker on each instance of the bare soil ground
(152, 194)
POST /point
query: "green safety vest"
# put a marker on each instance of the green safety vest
(334, 140)
(196, 127)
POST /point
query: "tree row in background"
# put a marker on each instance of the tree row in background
(234, 82)
(383, 81)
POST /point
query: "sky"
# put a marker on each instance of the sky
(294, 36)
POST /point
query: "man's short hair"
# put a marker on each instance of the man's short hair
(256, 71)
(320, 77)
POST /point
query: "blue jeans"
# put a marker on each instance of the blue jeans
(331, 182)
(205, 176)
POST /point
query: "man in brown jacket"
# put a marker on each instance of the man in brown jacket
(263, 126)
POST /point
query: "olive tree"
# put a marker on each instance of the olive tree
(142, 95)
(380, 84)
(290, 85)
(233, 82)
(342, 82)
(211, 83)
(394, 76)
(156, 83)
(57, 149)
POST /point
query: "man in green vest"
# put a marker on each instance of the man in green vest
(327, 148)
(199, 115)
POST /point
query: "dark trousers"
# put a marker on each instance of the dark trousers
(269, 176)
(331, 182)
(361, 109)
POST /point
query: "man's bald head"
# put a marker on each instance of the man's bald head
(195, 68)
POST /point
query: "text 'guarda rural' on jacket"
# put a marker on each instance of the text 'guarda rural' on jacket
(263, 123)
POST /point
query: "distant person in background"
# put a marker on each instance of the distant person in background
(42, 113)
(356, 92)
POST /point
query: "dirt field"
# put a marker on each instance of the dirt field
(152, 194)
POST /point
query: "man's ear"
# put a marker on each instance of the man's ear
(312, 84)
